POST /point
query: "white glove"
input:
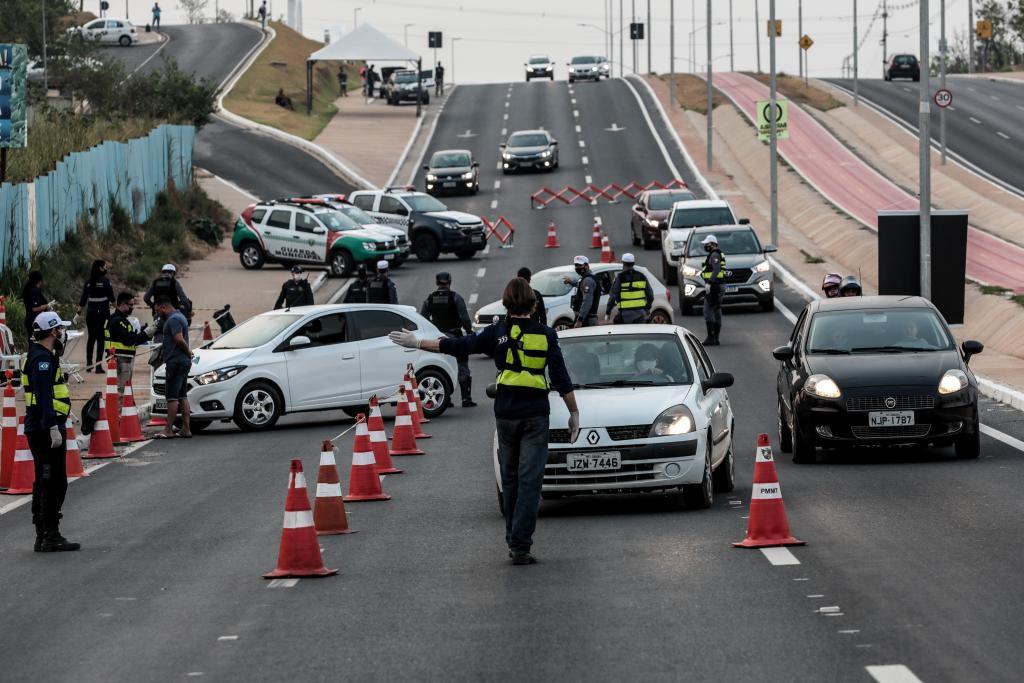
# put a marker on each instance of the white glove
(574, 426)
(405, 338)
(150, 330)
(56, 438)
(76, 319)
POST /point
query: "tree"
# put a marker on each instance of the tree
(1016, 20)
(999, 51)
(195, 10)
(23, 21)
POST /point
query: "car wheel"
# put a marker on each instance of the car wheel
(916, 79)
(125, 41)
(356, 411)
(785, 435)
(342, 263)
(724, 478)
(251, 256)
(660, 317)
(425, 247)
(632, 234)
(435, 391)
(197, 426)
(803, 450)
(701, 496)
(257, 407)
(562, 324)
(969, 448)
(501, 500)
(466, 253)
(668, 273)
(768, 305)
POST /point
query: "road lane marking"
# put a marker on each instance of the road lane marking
(507, 104)
(504, 132)
(582, 143)
(1002, 135)
(574, 100)
(486, 250)
(498, 166)
(578, 129)
(587, 179)
(994, 98)
(907, 89)
(831, 609)
(975, 120)
(780, 556)
(575, 113)
(802, 579)
(816, 595)
(497, 184)
(506, 117)
(584, 160)
(494, 204)
(282, 583)
(481, 272)
(987, 431)
(849, 631)
(972, 89)
(194, 674)
(597, 220)
(893, 673)
(951, 108)
(1021, 107)
(227, 638)
(473, 297)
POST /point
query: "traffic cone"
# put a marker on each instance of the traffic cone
(415, 388)
(154, 419)
(363, 482)
(607, 255)
(73, 459)
(414, 412)
(299, 555)
(23, 473)
(3, 310)
(9, 433)
(130, 427)
(767, 525)
(403, 439)
(379, 440)
(329, 516)
(207, 332)
(595, 237)
(100, 443)
(110, 396)
(552, 242)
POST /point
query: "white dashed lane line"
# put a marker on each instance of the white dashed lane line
(582, 143)
(472, 298)
(497, 184)
(974, 120)
(504, 132)
(227, 638)
(893, 673)
(587, 179)
(1002, 135)
(481, 272)
(584, 160)
(575, 113)
(578, 129)
(506, 117)
(780, 556)
(494, 204)
(282, 583)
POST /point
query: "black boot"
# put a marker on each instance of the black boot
(710, 340)
(466, 388)
(40, 533)
(718, 331)
(53, 542)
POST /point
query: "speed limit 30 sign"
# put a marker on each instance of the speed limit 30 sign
(943, 98)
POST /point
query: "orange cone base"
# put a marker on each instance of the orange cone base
(356, 499)
(16, 492)
(156, 422)
(300, 573)
(768, 542)
(336, 533)
(421, 435)
(390, 470)
(98, 456)
(409, 451)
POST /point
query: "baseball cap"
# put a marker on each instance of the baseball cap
(443, 277)
(169, 268)
(47, 320)
(580, 260)
(382, 265)
(628, 258)
(710, 239)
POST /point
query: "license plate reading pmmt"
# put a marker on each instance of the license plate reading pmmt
(589, 462)
(891, 418)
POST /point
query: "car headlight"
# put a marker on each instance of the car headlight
(672, 422)
(689, 271)
(546, 153)
(572, 69)
(652, 222)
(529, 68)
(952, 382)
(476, 318)
(468, 175)
(220, 375)
(822, 386)
(506, 156)
(678, 245)
(431, 177)
(449, 225)
(370, 246)
(762, 267)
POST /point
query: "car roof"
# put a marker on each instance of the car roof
(599, 330)
(670, 190)
(701, 204)
(540, 57)
(853, 303)
(453, 151)
(341, 308)
(724, 227)
(531, 130)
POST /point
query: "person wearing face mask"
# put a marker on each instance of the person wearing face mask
(295, 291)
(587, 299)
(47, 405)
(357, 291)
(97, 296)
(713, 274)
(646, 363)
(122, 340)
(632, 293)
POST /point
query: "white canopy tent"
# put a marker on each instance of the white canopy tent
(365, 43)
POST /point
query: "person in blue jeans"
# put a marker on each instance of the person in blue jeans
(526, 354)
(177, 358)
(156, 15)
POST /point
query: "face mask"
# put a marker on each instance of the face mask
(296, 276)
(645, 365)
(58, 346)
(581, 271)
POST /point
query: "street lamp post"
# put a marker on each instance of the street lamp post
(800, 34)
(942, 79)
(732, 66)
(405, 31)
(773, 143)
(672, 53)
(856, 48)
(925, 148)
(970, 36)
(622, 46)
(710, 134)
(757, 34)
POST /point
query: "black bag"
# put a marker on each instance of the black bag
(156, 356)
(90, 413)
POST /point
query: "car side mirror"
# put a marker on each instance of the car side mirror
(744, 221)
(770, 248)
(783, 353)
(319, 230)
(554, 142)
(475, 164)
(402, 211)
(501, 145)
(662, 225)
(971, 347)
(639, 208)
(719, 380)
(426, 167)
(299, 341)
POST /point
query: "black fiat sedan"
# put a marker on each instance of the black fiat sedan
(875, 371)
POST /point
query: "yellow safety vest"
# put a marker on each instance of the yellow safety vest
(706, 271)
(61, 394)
(525, 360)
(632, 293)
(116, 346)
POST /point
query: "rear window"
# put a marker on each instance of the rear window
(694, 218)
(904, 60)
(664, 201)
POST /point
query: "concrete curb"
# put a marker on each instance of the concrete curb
(405, 152)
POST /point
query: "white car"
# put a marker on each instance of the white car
(558, 296)
(685, 215)
(664, 428)
(108, 31)
(310, 358)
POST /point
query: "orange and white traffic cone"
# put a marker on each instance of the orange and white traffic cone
(414, 411)
(552, 242)
(3, 310)
(299, 555)
(9, 434)
(100, 443)
(73, 458)
(363, 481)
(767, 525)
(403, 438)
(379, 440)
(130, 427)
(595, 237)
(607, 255)
(415, 389)
(110, 395)
(23, 473)
(329, 516)
(207, 332)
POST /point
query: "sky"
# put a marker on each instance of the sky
(495, 38)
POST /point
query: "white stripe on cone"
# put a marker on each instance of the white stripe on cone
(766, 491)
(300, 480)
(403, 420)
(327, 458)
(362, 429)
(101, 425)
(364, 458)
(378, 436)
(22, 455)
(298, 520)
(10, 421)
(328, 490)
(128, 411)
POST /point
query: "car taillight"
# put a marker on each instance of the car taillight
(668, 295)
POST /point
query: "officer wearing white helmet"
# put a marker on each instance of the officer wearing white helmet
(587, 299)
(381, 289)
(167, 285)
(632, 293)
(713, 273)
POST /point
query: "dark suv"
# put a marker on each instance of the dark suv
(452, 170)
(529, 149)
(401, 86)
(902, 66)
(748, 274)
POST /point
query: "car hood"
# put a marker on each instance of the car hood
(617, 406)
(457, 216)
(450, 170)
(204, 360)
(497, 308)
(731, 260)
(383, 229)
(885, 370)
(526, 150)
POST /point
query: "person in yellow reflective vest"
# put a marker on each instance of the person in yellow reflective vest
(632, 293)
(47, 405)
(526, 353)
(122, 340)
(713, 273)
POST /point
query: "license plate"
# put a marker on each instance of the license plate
(590, 462)
(891, 418)
(159, 406)
(389, 257)
(450, 183)
(477, 238)
(731, 289)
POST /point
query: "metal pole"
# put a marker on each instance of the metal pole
(419, 87)
(632, 41)
(856, 92)
(942, 79)
(773, 143)
(885, 33)
(710, 127)
(799, 35)
(693, 36)
(672, 53)
(607, 31)
(46, 76)
(924, 145)
(622, 47)
(731, 65)
(970, 36)
(757, 35)
(647, 36)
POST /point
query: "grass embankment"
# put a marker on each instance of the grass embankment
(283, 65)
(692, 93)
(794, 89)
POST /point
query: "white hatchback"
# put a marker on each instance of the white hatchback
(326, 357)
(654, 416)
(107, 31)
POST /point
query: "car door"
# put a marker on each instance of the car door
(789, 371)
(310, 236)
(277, 233)
(324, 373)
(383, 361)
(113, 32)
(394, 212)
(604, 283)
(713, 403)
(638, 215)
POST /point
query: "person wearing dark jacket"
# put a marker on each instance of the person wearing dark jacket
(122, 339)
(381, 289)
(587, 299)
(632, 293)
(34, 299)
(540, 314)
(357, 291)
(167, 285)
(447, 310)
(713, 273)
(295, 291)
(97, 296)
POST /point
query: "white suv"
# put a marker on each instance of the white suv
(685, 216)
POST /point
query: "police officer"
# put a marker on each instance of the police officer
(522, 351)
(47, 405)
(540, 314)
(167, 285)
(713, 274)
(850, 286)
(632, 292)
(447, 310)
(381, 290)
(587, 299)
(122, 339)
(295, 291)
(357, 291)
(97, 296)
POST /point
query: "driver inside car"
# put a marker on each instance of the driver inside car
(645, 362)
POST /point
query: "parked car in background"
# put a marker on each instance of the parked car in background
(684, 216)
(108, 31)
(529, 149)
(902, 66)
(539, 66)
(650, 215)
(452, 171)
(748, 275)
(401, 86)
(339, 203)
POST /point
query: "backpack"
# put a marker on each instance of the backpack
(90, 413)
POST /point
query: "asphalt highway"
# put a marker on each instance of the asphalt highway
(912, 557)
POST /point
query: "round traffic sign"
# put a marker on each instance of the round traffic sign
(943, 98)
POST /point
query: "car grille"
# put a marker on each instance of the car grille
(627, 432)
(158, 389)
(865, 403)
(738, 275)
(558, 436)
(629, 473)
(911, 432)
(385, 246)
(526, 157)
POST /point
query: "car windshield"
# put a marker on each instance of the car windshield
(405, 77)
(539, 60)
(729, 241)
(449, 160)
(254, 332)
(663, 201)
(550, 282)
(584, 60)
(528, 140)
(356, 214)
(690, 218)
(625, 360)
(899, 330)
(336, 220)
(424, 202)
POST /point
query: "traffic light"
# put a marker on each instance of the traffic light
(636, 31)
(434, 39)
(104, 6)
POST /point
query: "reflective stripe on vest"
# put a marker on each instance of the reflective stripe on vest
(61, 394)
(706, 271)
(632, 293)
(525, 360)
(116, 346)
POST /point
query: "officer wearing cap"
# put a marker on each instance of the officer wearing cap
(713, 274)
(447, 310)
(587, 299)
(47, 405)
(295, 291)
(381, 290)
(167, 285)
(356, 293)
(632, 292)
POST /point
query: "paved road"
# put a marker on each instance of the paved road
(985, 124)
(916, 550)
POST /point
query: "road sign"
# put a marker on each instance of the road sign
(778, 28)
(943, 98)
(806, 42)
(984, 28)
(764, 123)
(434, 39)
(13, 82)
(636, 31)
